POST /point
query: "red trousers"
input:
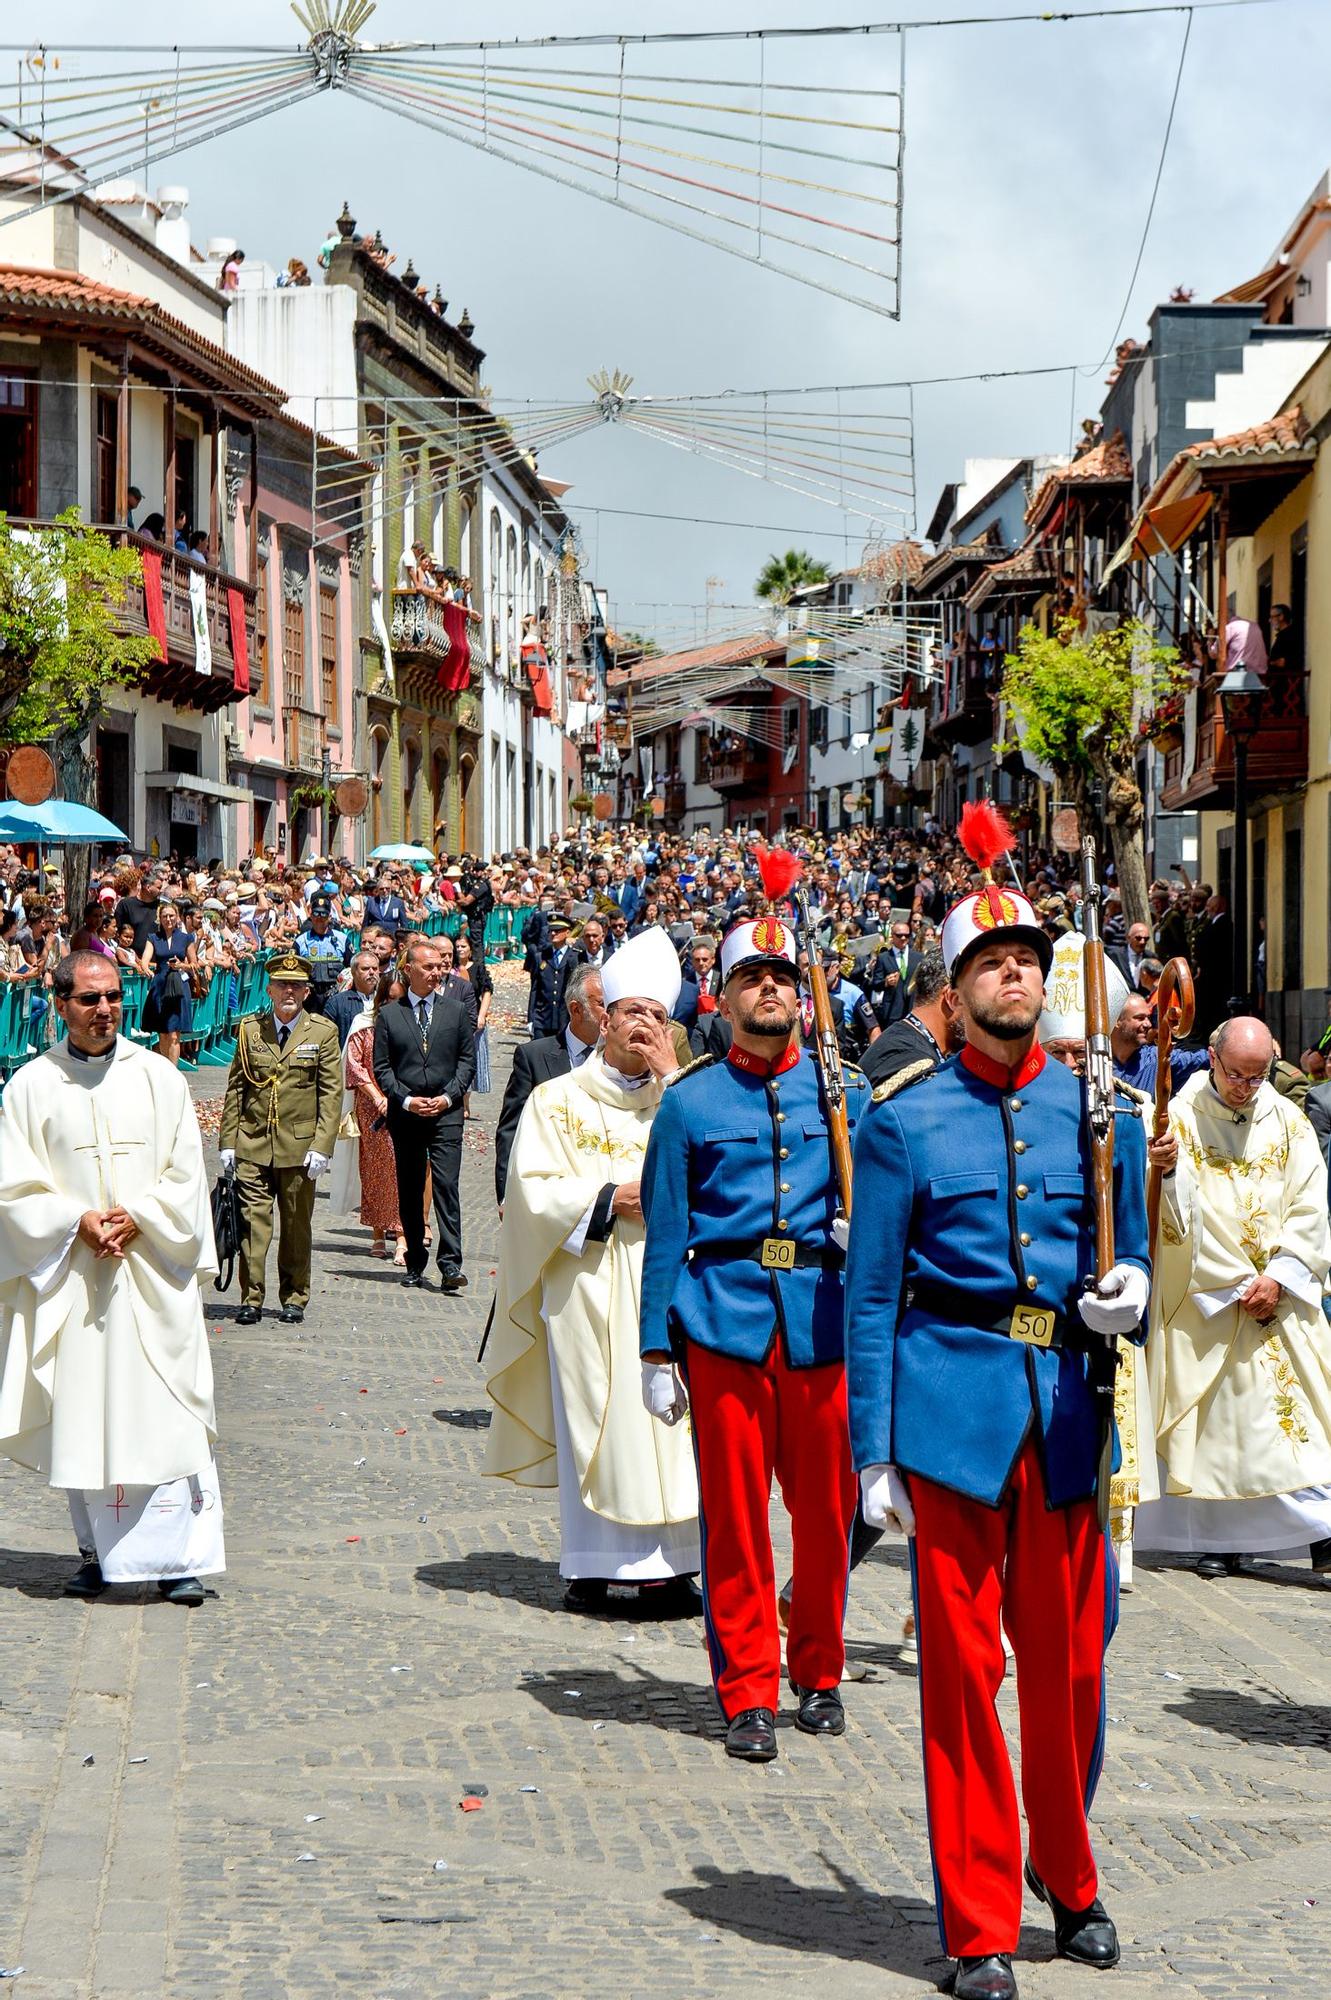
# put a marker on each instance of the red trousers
(751, 1419)
(1049, 1575)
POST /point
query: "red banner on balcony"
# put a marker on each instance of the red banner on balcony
(455, 670)
(154, 605)
(240, 651)
(536, 665)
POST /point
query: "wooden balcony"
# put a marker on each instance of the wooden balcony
(969, 715)
(744, 769)
(305, 734)
(674, 794)
(1277, 755)
(225, 598)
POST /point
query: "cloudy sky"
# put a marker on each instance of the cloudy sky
(1031, 149)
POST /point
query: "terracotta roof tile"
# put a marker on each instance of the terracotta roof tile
(1106, 463)
(1283, 432)
(958, 552)
(70, 292)
(887, 565)
(725, 653)
(1031, 564)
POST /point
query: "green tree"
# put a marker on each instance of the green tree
(781, 576)
(62, 645)
(1074, 697)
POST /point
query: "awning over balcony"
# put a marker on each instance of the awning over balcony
(537, 669)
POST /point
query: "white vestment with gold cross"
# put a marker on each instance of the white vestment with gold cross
(567, 1378)
(105, 1373)
(1242, 1411)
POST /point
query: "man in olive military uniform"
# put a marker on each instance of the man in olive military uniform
(279, 1127)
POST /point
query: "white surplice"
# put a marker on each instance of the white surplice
(1242, 1411)
(567, 1384)
(106, 1380)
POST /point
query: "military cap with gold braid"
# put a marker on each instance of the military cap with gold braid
(288, 965)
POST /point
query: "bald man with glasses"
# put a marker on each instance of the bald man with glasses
(1239, 1357)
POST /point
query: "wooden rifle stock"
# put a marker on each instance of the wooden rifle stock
(827, 1053)
(1103, 1354)
(1175, 1007)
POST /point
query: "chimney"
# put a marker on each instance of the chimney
(172, 223)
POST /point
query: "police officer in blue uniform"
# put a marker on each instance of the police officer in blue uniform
(974, 1428)
(742, 1299)
(325, 949)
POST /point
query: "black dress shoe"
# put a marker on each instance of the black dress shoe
(1220, 1566)
(586, 1593)
(181, 1589)
(451, 1279)
(291, 1315)
(1321, 1555)
(820, 1712)
(1086, 1936)
(249, 1316)
(752, 1735)
(87, 1580)
(677, 1597)
(414, 1280)
(990, 1978)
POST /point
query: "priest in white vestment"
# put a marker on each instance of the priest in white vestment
(567, 1380)
(106, 1381)
(1239, 1354)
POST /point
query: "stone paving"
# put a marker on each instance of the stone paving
(261, 1798)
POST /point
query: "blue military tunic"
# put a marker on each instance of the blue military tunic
(736, 1158)
(980, 1191)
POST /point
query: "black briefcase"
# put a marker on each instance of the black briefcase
(226, 1227)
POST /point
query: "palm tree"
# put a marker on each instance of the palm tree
(782, 576)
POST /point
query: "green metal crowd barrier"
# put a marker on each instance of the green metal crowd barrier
(210, 1041)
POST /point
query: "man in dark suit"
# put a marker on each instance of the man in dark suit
(424, 1062)
(897, 966)
(701, 984)
(928, 1033)
(551, 1055)
(1213, 967)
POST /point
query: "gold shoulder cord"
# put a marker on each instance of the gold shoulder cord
(259, 1083)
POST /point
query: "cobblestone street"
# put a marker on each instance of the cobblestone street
(261, 1798)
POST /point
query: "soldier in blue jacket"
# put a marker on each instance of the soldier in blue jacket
(742, 1299)
(974, 1429)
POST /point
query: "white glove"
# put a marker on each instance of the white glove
(885, 1500)
(841, 1232)
(315, 1164)
(663, 1394)
(1118, 1303)
(227, 1158)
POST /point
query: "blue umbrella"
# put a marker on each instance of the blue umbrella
(56, 823)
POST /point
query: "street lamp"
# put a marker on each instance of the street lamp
(1242, 694)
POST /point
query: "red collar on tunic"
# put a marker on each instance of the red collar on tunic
(997, 1073)
(759, 1065)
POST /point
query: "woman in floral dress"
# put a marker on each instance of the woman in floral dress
(378, 1168)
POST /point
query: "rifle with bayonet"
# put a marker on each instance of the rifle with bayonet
(1103, 1351)
(827, 1053)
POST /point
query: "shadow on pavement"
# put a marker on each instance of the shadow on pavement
(679, 1707)
(36, 1574)
(501, 1573)
(894, 1933)
(1296, 1725)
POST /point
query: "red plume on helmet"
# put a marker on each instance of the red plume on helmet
(779, 868)
(984, 833)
